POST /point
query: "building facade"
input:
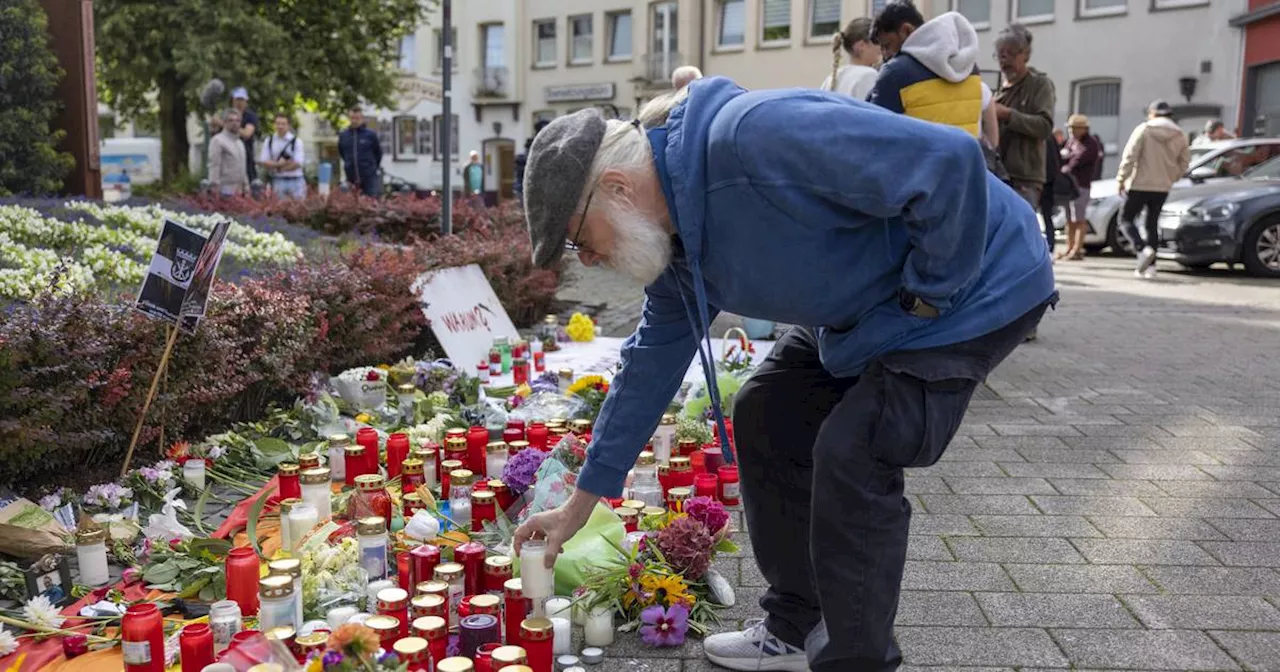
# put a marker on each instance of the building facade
(1260, 99)
(1109, 59)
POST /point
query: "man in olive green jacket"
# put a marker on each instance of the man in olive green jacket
(1024, 106)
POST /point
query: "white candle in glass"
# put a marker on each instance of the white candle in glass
(371, 593)
(495, 462)
(598, 628)
(339, 616)
(193, 473)
(302, 519)
(536, 578)
(558, 607)
(563, 632)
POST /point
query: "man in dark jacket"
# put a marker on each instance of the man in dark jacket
(1024, 106)
(361, 155)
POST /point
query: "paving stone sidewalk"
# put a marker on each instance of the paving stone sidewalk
(1114, 505)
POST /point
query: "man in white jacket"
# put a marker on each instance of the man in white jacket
(1155, 157)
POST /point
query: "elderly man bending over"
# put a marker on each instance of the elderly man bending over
(913, 271)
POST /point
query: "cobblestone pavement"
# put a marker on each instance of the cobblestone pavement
(1114, 505)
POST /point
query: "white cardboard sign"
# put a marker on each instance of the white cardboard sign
(464, 313)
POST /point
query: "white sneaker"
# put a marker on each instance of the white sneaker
(754, 649)
(1145, 258)
(1150, 273)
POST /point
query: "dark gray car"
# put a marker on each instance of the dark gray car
(1234, 221)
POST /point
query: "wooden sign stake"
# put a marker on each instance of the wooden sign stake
(151, 395)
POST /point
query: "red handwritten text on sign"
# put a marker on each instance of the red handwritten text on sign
(471, 320)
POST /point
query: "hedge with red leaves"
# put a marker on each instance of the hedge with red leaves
(74, 370)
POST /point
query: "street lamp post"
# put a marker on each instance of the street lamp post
(446, 132)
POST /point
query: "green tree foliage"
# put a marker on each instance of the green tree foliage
(324, 55)
(29, 160)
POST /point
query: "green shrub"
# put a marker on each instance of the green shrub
(29, 160)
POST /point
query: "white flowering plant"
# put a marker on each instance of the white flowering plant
(108, 247)
(331, 575)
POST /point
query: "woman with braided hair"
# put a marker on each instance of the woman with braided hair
(857, 78)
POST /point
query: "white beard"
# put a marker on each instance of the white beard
(641, 248)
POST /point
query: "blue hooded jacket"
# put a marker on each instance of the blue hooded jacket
(812, 208)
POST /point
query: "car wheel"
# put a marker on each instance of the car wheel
(1262, 248)
(1117, 241)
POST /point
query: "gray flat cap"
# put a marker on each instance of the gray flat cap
(555, 176)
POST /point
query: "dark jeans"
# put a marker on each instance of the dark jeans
(1134, 204)
(821, 462)
(371, 186)
(1046, 213)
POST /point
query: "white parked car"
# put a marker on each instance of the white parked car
(1222, 159)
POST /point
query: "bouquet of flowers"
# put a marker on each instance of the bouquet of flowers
(657, 583)
(592, 390)
(354, 648)
(331, 576)
(732, 370)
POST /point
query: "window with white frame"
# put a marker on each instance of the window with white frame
(977, 11)
(544, 43)
(1099, 99)
(493, 51)
(1103, 7)
(824, 18)
(409, 52)
(665, 43)
(775, 21)
(731, 23)
(619, 27)
(1032, 11)
(580, 32)
(1177, 4)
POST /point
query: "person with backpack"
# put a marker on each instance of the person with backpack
(282, 158)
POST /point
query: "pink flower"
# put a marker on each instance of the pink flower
(664, 627)
(636, 570)
(130, 575)
(372, 376)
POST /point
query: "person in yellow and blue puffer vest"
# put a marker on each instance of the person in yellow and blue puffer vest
(931, 72)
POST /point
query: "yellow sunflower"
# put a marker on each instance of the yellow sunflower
(670, 589)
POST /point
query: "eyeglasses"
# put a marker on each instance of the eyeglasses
(573, 244)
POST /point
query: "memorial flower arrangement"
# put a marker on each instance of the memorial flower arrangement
(580, 328)
(354, 648)
(656, 582)
(592, 390)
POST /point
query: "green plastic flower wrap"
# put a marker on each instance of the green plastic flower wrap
(595, 544)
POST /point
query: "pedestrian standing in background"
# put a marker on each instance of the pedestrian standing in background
(248, 129)
(1155, 157)
(1024, 108)
(282, 157)
(1083, 158)
(683, 75)
(857, 78)
(1214, 130)
(473, 177)
(1058, 188)
(361, 154)
(227, 176)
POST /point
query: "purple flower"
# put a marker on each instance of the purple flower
(521, 469)
(707, 511)
(664, 627)
(547, 382)
(331, 659)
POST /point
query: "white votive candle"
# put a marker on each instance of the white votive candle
(535, 577)
(563, 633)
(598, 628)
(302, 519)
(339, 616)
(558, 607)
(371, 593)
(193, 473)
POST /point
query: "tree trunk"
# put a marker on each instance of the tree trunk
(174, 146)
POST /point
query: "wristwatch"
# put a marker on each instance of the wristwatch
(915, 306)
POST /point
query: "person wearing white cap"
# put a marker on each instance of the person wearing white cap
(1155, 157)
(248, 128)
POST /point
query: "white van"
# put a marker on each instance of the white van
(127, 162)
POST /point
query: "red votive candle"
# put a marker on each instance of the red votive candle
(397, 452)
(712, 459)
(404, 571)
(368, 437)
(729, 491)
(705, 485)
(142, 638)
(195, 647)
(471, 556)
(511, 434)
(536, 435)
(290, 486)
(514, 609)
(477, 442)
(242, 579)
(422, 563)
(536, 636)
